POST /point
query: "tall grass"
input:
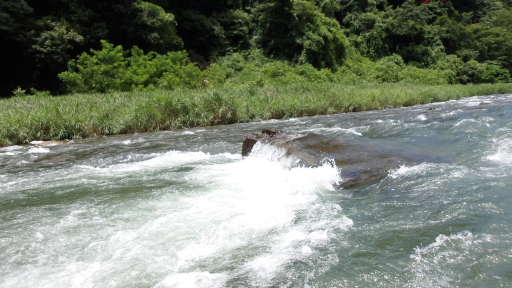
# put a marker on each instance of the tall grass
(27, 118)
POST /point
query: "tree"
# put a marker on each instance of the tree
(15, 24)
(234, 27)
(278, 29)
(454, 35)
(151, 28)
(322, 41)
(301, 33)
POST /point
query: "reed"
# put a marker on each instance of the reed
(27, 118)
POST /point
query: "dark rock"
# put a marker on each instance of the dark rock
(265, 137)
(360, 163)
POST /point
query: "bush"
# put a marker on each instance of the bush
(235, 61)
(475, 72)
(310, 73)
(411, 74)
(277, 69)
(115, 69)
(389, 68)
(215, 74)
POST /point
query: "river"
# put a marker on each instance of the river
(185, 209)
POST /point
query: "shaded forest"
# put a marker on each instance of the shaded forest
(55, 45)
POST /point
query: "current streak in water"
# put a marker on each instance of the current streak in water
(184, 209)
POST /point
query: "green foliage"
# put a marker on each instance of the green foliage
(494, 44)
(102, 71)
(279, 29)
(233, 29)
(301, 33)
(199, 34)
(28, 118)
(234, 61)
(18, 92)
(393, 69)
(411, 74)
(52, 42)
(40, 37)
(114, 69)
(358, 69)
(454, 35)
(215, 74)
(474, 72)
(153, 28)
(389, 68)
(36, 92)
(323, 42)
(311, 74)
(277, 69)
(329, 7)
(222, 108)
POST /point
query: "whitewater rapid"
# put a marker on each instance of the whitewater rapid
(185, 209)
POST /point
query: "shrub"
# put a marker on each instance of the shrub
(215, 74)
(233, 61)
(411, 74)
(389, 68)
(277, 69)
(310, 73)
(475, 72)
(115, 69)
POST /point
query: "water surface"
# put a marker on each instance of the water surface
(184, 209)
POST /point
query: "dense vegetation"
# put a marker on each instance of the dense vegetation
(134, 66)
(27, 118)
(122, 45)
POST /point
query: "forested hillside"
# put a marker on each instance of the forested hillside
(460, 41)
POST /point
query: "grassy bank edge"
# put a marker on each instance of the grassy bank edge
(27, 118)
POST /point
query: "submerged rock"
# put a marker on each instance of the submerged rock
(359, 163)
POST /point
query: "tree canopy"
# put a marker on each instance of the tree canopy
(42, 39)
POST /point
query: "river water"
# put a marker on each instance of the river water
(184, 209)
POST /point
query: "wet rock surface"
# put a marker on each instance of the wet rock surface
(359, 163)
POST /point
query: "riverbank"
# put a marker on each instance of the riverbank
(27, 118)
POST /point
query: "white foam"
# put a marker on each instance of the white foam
(194, 279)
(166, 160)
(503, 153)
(298, 244)
(452, 113)
(134, 140)
(337, 129)
(436, 264)
(298, 120)
(249, 217)
(446, 170)
(252, 198)
(422, 117)
(460, 122)
(272, 153)
(11, 148)
(405, 171)
(38, 150)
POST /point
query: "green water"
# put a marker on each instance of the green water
(184, 209)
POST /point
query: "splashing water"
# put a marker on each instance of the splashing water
(184, 209)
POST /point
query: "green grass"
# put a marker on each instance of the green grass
(27, 118)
